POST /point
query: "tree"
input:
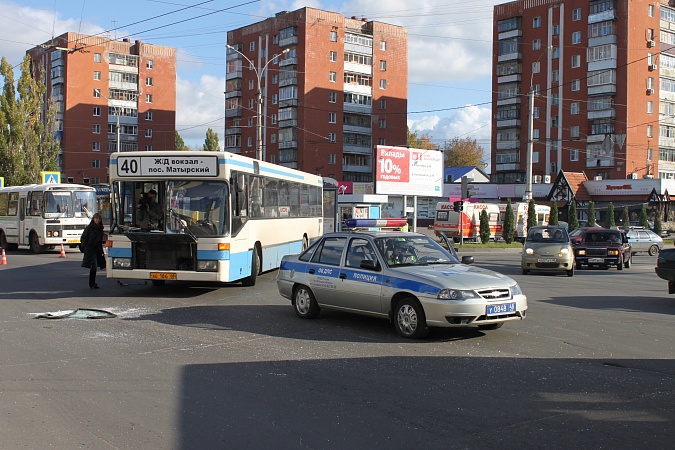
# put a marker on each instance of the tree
(610, 215)
(463, 152)
(531, 214)
(507, 226)
(591, 214)
(180, 143)
(625, 219)
(553, 219)
(644, 221)
(422, 141)
(484, 227)
(658, 226)
(211, 143)
(572, 220)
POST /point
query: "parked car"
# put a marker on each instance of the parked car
(407, 278)
(602, 247)
(547, 248)
(665, 267)
(642, 240)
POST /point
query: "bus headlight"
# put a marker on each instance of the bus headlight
(456, 294)
(207, 266)
(121, 263)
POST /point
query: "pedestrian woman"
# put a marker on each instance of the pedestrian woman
(92, 246)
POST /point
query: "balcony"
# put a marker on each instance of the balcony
(600, 162)
(232, 55)
(290, 103)
(357, 129)
(290, 165)
(362, 69)
(288, 62)
(232, 130)
(230, 94)
(288, 123)
(514, 78)
(285, 42)
(510, 57)
(359, 109)
(602, 89)
(357, 89)
(236, 112)
(508, 123)
(666, 142)
(508, 145)
(288, 144)
(509, 101)
(602, 16)
(288, 82)
(595, 138)
(510, 34)
(602, 114)
(507, 167)
(357, 149)
(360, 169)
(232, 75)
(351, 47)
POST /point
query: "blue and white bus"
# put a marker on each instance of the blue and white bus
(207, 216)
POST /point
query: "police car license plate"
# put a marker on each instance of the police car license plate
(162, 276)
(546, 260)
(504, 308)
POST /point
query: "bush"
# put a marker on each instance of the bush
(572, 220)
(553, 219)
(484, 227)
(508, 227)
(610, 215)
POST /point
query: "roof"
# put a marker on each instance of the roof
(456, 173)
(576, 183)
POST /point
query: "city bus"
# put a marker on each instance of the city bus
(207, 216)
(43, 216)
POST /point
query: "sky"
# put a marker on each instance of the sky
(449, 49)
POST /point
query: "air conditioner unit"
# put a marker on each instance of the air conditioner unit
(653, 67)
(650, 91)
(536, 179)
(651, 44)
(633, 176)
(547, 179)
(598, 178)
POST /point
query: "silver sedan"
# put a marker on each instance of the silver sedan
(407, 278)
(644, 241)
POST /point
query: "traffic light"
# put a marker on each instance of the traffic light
(458, 206)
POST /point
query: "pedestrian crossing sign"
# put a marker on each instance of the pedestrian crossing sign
(51, 177)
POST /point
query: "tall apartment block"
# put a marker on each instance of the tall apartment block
(333, 88)
(603, 77)
(97, 84)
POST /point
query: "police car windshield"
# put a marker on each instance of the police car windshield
(412, 250)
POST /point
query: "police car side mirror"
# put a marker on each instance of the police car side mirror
(467, 259)
(369, 265)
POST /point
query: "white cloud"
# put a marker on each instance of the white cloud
(200, 105)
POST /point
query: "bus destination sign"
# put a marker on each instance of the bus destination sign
(171, 166)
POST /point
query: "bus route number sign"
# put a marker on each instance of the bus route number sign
(171, 166)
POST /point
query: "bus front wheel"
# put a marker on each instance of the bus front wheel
(255, 267)
(35, 246)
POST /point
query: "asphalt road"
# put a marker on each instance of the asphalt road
(200, 367)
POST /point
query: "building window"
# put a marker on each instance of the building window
(275, 78)
(574, 131)
(535, 134)
(96, 129)
(332, 158)
(333, 56)
(149, 64)
(148, 115)
(650, 82)
(275, 39)
(249, 142)
(383, 84)
(536, 22)
(148, 148)
(97, 57)
(96, 146)
(381, 141)
(148, 98)
(332, 117)
(96, 163)
(650, 10)
(535, 112)
(383, 123)
(97, 75)
(555, 76)
(97, 110)
(650, 131)
(332, 97)
(574, 154)
(250, 122)
(383, 45)
(554, 122)
(650, 107)
(650, 154)
(576, 85)
(576, 14)
(333, 36)
(97, 93)
(574, 108)
(556, 29)
(535, 67)
(251, 46)
(555, 53)
(333, 77)
(148, 81)
(576, 61)
(250, 84)
(273, 138)
(576, 37)
(274, 119)
(275, 99)
(148, 133)
(332, 138)
(535, 157)
(250, 103)
(536, 44)
(383, 65)
(555, 99)
(383, 104)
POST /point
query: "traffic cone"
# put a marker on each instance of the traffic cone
(4, 258)
(63, 252)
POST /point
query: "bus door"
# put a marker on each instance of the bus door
(24, 227)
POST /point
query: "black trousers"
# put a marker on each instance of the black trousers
(92, 276)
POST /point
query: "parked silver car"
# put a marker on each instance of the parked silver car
(407, 278)
(644, 241)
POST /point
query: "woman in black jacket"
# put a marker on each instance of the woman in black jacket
(92, 245)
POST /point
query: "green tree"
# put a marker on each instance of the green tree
(572, 220)
(553, 219)
(508, 226)
(644, 221)
(610, 215)
(625, 219)
(484, 227)
(463, 152)
(211, 143)
(180, 143)
(658, 226)
(591, 214)
(531, 214)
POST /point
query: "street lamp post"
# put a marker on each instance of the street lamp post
(259, 97)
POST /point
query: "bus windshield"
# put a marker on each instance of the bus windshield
(201, 206)
(60, 204)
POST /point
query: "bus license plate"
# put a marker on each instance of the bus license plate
(504, 308)
(162, 276)
(74, 241)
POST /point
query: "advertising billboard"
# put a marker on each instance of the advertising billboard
(408, 171)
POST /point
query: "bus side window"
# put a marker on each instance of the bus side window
(239, 203)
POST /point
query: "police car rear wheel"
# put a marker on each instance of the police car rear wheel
(409, 319)
(304, 303)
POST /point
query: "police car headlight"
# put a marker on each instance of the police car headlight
(207, 266)
(121, 263)
(456, 294)
(515, 290)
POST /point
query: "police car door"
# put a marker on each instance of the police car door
(324, 269)
(360, 288)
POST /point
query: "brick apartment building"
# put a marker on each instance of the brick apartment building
(604, 77)
(339, 90)
(96, 83)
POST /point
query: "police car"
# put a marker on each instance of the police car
(407, 278)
